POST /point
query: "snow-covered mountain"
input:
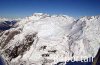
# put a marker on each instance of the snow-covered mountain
(6, 23)
(43, 39)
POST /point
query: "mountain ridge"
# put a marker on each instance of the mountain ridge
(42, 39)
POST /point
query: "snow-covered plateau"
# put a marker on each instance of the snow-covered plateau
(43, 39)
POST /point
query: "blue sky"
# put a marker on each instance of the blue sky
(22, 8)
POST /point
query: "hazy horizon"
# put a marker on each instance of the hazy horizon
(74, 8)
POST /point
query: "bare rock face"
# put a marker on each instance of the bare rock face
(46, 40)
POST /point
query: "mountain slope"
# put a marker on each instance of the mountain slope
(42, 39)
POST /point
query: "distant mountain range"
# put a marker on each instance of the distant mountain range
(7, 25)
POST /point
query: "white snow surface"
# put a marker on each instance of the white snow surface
(69, 37)
(3, 19)
(9, 19)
